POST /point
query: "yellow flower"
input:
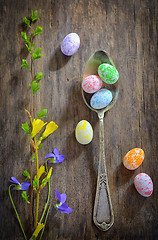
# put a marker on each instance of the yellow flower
(40, 171)
(46, 179)
(49, 173)
(37, 125)
(38, 229)
(50, 128)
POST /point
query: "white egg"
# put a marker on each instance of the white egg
(91, 83)
(144, 185)
(108, 73)
(84, 132)
(101, 99)
(70, 44)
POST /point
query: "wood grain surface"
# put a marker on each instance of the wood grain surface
(127, 30)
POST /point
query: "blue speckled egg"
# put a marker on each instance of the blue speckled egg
(101, 99)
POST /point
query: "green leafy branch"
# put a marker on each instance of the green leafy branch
(35, 52)
(36, 126)
(34, 17)
(34, 86)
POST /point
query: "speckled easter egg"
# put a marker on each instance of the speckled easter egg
(70, 44)
(101, 99)
(108, 73)
(133, 158)
(84, 132)
(91, 84)
(144, 185)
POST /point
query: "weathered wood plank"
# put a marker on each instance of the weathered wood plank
(128, 31)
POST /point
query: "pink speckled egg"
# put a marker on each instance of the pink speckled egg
(91, 83)
(134, 158)
(70, 44)
(144, 185)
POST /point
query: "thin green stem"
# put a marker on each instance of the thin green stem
(37, 208)
(31, 180)
(46, 205)
(37, 200)
(16, 212)
(45, 220)
(46, 166)
(31, 196)
(36, 151)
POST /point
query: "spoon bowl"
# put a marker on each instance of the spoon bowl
(91, 68)
(103, 216)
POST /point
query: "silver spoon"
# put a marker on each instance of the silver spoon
(103, 216)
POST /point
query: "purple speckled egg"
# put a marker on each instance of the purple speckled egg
(70, 44)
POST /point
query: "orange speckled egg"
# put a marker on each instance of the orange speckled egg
(133, 158)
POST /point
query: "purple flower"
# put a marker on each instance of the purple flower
(56, 157)
(62, 206)
(23, 186)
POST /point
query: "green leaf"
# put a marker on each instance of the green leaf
(37, 53)
(25, 197)
(39, 76)
(26, 174)
(26, 21)
(37, 31)
(30, 46)
(42, 113)
(33, 158)
(28, 40)
(34, 15)
(35, 18)
(24, 64)
(35, 183)
(26, 128)
(24, 36)
(35, 87)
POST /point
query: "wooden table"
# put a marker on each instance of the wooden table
(128, 31)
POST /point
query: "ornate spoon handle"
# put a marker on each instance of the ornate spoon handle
(103, 213)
